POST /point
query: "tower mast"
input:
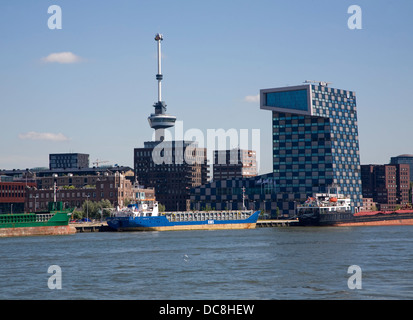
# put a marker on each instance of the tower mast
(160, 120)
(159, 76)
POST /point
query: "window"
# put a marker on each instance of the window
(294, 99)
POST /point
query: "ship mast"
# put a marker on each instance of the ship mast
(243, 198)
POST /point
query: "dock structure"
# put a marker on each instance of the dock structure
(91, 227)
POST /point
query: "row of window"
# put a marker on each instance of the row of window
(11, 187)
(337, 92)
(350, 106)
(62, 195)
(11, 194)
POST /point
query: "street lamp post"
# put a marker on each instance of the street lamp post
(87, 208)
(35, 205)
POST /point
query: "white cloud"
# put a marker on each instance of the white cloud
(252, 98)
(43, 136)
(62, 57)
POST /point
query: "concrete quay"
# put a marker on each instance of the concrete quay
(276, 223)
(103, 226)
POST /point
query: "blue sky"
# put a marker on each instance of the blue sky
(216, 53)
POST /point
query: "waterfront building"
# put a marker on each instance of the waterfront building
(175, 175)
(404, 159)
(68, 161)
(12, 195)
(368, 179)
(116, 188)
(369, 204)
(234, 163)
(388, 185)
(255, 193)
(78, 178)
(315, 142)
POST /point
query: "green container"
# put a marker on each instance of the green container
(56, 217)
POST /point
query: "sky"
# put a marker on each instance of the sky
(90, 86)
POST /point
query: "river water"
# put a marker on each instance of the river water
(264, 263)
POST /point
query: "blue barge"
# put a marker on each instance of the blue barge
(143, 216)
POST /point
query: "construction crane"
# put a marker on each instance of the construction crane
(99, 161)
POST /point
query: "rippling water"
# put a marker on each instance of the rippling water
(265, 263)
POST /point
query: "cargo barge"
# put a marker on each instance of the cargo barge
(54, 222)
(144, 216)
(335, 210)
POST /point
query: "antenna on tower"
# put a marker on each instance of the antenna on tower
(159, 76)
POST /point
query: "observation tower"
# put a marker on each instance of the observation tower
(160, 120)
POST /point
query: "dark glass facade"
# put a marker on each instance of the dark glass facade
(68, 160)
(294, 99)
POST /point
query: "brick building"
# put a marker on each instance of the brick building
(388, 185)
(404, 159)
(12, 195)
(116, 188)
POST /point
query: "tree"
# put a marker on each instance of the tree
(161, 207)
(96, 210)
(207, 208)
(77, 214)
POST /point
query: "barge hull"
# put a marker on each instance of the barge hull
(37, 231)
(193, 227)
(395, 222)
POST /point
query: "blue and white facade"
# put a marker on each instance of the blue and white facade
(315, 143)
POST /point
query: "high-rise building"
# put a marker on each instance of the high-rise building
(174, 173)
(368, 182)
(404, 159)
(68, 161)
(315, 142)
(235, 163)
